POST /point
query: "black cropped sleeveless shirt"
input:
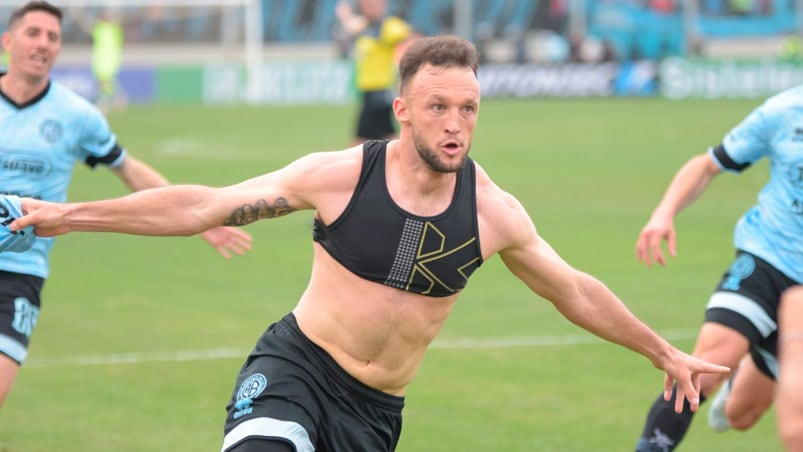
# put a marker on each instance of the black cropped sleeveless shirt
(377, 240)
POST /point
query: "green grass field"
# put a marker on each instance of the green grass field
(140, 338)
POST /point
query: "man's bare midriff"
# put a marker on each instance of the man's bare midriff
(376, 333)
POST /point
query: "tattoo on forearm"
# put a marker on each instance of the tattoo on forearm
(262, 209)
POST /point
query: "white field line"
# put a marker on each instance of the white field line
(199, 148)
(196, 148)
(227, 353)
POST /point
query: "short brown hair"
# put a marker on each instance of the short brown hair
(20, 12)
(443, 51)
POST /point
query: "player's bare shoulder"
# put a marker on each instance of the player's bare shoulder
(328, 179)
(503, 221)
(332, 169)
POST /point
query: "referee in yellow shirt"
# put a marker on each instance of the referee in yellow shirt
(376, 39)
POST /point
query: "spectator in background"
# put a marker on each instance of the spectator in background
(587, 49)
(376, 39)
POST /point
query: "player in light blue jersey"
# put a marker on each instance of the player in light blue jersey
(741, 315)
(44, 130)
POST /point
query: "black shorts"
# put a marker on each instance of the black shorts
(746, 300)
(292, 390)
(376, 115)
(19, 311)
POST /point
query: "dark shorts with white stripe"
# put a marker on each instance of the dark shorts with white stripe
(746, 300)
(291, 390)
(19, 312)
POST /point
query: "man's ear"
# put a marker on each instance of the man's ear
(401, 111)
(4, 40)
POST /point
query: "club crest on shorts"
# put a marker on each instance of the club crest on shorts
(739, 271)
(251, 388)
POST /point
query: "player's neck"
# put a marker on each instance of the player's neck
(19, 89)
(414, 186)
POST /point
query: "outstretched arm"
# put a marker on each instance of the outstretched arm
(687, 185)
(587, 302)
(184, 210)
(174, 210)
(137, 176)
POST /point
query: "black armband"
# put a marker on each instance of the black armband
(726, 161)
(107, 159)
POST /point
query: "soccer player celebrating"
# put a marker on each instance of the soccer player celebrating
(399, 228)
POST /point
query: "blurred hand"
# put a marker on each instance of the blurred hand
(227, 240)
(351, 22)
(343, 11)
(648, 245)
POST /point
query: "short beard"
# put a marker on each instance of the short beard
(431, 158)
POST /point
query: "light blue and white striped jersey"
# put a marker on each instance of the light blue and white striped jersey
(773, 228)
(40, 142)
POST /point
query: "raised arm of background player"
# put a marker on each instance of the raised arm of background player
(688, 184)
